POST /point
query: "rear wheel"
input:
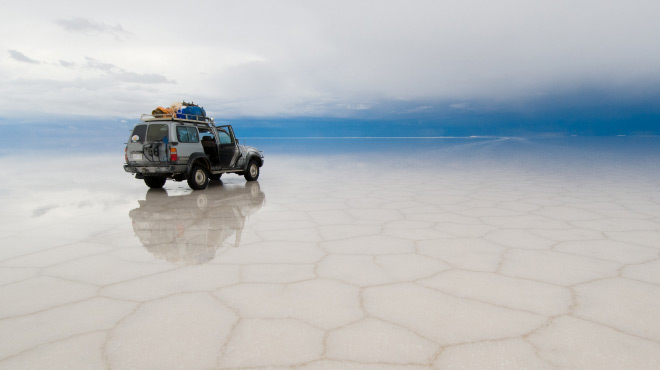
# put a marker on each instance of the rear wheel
(154, 182)
(252, 171)
(199, 178)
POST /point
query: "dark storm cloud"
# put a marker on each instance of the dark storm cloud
(18, 56)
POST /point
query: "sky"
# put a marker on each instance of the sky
(543, 66)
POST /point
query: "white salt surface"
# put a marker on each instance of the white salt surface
(477, 254)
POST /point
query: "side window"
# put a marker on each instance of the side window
(182, 134)
(141, 132)
(206, 135)
(224, 137)
(187, 134)
(192, 133)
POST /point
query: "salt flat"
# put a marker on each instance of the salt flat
(483, 253)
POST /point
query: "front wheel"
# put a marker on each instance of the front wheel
(199, 178)
(252, 171)
(154, 182)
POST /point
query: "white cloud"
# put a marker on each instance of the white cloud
(88, 26)
(18, 56)
(126, 76)
(66, 64)
(323, 58)
(459, 105)
(421, 108)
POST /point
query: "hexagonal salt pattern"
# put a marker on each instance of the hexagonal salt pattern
(474, 259)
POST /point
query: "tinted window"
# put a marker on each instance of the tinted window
(156, 132)
(187, 134)
(224, 137)
(140, 131)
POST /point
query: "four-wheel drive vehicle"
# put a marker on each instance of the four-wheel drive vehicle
(165, 147)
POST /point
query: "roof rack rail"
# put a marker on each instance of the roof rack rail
(177, 117)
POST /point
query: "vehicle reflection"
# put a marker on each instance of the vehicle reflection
(195, 227)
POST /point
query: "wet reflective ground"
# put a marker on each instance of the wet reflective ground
(482, 253)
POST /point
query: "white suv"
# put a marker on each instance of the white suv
(166, 147)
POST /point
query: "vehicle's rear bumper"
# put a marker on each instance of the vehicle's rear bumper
(168, 170)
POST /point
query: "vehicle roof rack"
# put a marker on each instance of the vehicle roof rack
(200, 120)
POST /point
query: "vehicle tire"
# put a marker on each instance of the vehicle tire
(199, 178)
(216, 176)
(252, 170)
(154, 182)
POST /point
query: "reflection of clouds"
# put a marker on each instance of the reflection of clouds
(192, 228)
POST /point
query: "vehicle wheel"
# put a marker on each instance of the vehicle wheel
(154, 182)
(199, 178)
(216, 176)
(252, 171)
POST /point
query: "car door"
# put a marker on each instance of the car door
(226, 147)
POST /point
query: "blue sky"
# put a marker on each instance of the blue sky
(362, 68)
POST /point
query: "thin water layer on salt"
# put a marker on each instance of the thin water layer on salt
(486, 253)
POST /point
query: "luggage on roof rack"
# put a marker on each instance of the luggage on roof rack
(194, 113)
(163, 112)
(189, 111)
(182, 110)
